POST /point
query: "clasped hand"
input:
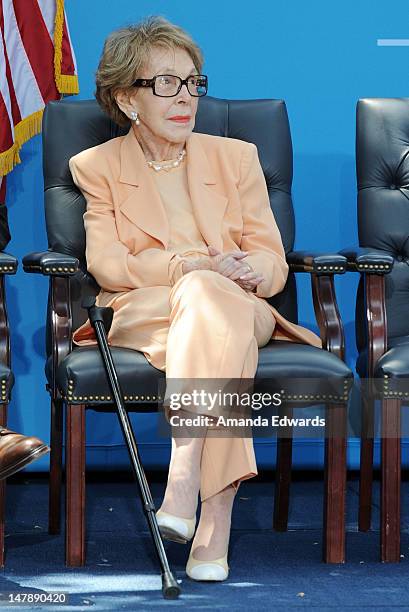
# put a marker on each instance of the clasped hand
(228, 264)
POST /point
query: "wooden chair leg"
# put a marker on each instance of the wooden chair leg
(283, 476)
(335, 484)
(366, 462)
(55, 482)
(75, 485)
(3, 423)
(391, 481)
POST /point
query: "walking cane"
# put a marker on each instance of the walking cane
(101, 320)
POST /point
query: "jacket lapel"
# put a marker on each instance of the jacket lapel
(144, 206)
(208, 205)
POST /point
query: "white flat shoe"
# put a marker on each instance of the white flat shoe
(175, 528)
(207, 570)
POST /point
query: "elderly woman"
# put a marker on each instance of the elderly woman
(183, 243)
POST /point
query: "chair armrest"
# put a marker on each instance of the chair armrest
(8, 263)
(323, 267)
(368, 260)
(374, 264)
(316, 263)
(50, 263)
(59, 267)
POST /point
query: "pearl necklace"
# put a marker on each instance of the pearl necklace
(167, 165)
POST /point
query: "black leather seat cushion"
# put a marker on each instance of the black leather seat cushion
(282, 365)
(389, 359)
(304, 372)
(392, 369)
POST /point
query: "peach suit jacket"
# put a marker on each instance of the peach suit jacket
(127, 231)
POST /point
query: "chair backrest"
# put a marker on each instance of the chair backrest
(382, 162)
(72, 126)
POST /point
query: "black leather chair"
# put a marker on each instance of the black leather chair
(8, 265)
(76, 377)
(382, 306)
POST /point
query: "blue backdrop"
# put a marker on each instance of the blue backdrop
(318, 56)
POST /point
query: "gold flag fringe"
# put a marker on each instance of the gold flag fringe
(8, 159)
(65, 83)
(24, 130)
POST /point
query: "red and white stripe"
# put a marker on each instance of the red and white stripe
(27, 80)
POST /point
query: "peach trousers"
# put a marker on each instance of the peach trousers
(212, 329)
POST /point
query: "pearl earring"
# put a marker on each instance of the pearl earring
(134, 117)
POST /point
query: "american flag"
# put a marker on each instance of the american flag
(37, 64)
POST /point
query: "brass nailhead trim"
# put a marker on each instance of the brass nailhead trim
(332, 268)
(389, 393)
(317, 397)
(48, 269)
(97, 398)
(373, 266)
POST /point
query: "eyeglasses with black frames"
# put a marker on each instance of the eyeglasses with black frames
(169, 85)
